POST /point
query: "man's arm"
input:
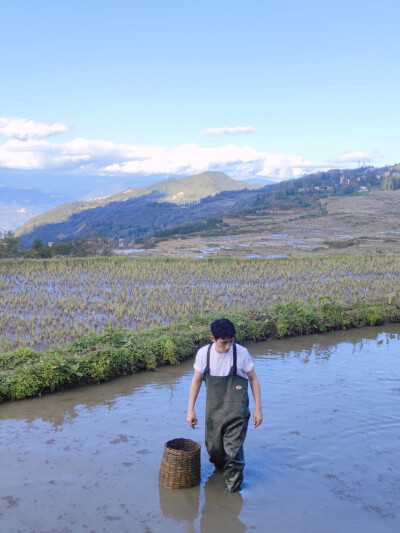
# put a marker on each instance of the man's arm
(193, 393)
(256, 390)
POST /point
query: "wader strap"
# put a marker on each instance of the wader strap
(234, 367)
(207, 369)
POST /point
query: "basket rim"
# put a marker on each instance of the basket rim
(182, 444)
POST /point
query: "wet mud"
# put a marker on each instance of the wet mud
(325, 459)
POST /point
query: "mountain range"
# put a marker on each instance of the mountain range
(135, 211)
(20, 201)
(138, 212)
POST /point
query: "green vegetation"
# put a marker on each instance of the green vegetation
(203, 227)
(343, 243)
(100, 357)
(9, 245)
(78, 247)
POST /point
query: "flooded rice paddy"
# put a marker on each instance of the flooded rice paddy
(325, 459)
(53, 302)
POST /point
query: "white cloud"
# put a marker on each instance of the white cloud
(38, 154)
(30, 151)
(191, 158)
(355, 157)
(104, 157)
(23, 129)
(236, 130)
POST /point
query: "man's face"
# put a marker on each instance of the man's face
(223, 345)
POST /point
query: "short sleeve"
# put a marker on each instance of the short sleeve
(201, 360)
(247, 361)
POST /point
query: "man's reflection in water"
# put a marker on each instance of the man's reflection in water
(219, 512)
(180, 505)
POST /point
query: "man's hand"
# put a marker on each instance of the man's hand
(257, 417)
(194, 391)
(256, 390)
(191, 419)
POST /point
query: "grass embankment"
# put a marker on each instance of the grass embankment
(100, 357)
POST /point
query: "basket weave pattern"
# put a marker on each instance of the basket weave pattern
(180, 464)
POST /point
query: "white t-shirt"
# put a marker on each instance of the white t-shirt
(221, 363)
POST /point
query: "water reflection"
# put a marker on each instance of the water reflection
(219, 511)
(62, 407)
(321, 347)
(180, 505)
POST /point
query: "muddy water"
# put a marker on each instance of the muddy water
(326, 458)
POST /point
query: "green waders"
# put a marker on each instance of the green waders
(227, 418)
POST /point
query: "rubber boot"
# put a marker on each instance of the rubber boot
(233, 472)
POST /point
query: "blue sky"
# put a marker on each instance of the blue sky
(268, 89)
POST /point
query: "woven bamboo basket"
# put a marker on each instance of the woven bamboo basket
(180, 464)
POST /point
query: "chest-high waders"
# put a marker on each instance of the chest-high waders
(227, 418)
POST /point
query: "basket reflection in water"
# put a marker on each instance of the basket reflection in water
(180, 464)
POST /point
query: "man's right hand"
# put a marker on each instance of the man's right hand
(191, 419)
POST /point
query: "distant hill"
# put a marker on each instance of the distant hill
(189, 189)
(20, 204)
(137, 213)
(139, 217)
(312, 187)
(173, 190)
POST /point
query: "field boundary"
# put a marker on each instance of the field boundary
(100, 357)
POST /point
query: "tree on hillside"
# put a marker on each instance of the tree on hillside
(84, 246)
(9, 244)
(39, 250)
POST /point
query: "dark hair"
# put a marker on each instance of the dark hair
(222, 328)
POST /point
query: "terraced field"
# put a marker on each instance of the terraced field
(368, 223)
(51, 302)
